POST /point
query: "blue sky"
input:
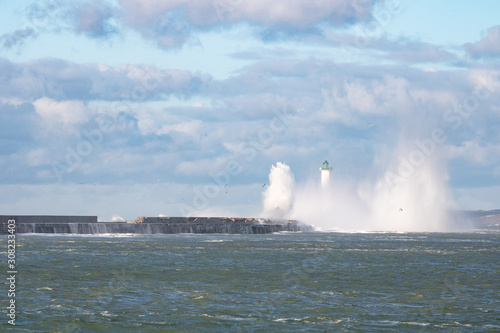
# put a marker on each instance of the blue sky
(151, 107)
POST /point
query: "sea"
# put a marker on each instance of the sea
(283, 282)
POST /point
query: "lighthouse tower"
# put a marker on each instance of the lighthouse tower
(325, 174)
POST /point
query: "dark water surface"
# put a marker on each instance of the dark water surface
(291, 282)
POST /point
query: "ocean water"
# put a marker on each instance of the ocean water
(287, 282)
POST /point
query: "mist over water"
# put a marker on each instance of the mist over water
(408, 195)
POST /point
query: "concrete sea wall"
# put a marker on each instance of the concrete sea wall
(48, 219)
(145, 225)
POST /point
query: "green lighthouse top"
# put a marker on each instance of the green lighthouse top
(326, 166)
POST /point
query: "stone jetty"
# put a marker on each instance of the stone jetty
(143, 225)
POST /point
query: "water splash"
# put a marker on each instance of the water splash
(278, 196)
(417, 202)
(414, 201)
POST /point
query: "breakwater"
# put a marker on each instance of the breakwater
(145, 225)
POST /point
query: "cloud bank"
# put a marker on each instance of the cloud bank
(308, 91)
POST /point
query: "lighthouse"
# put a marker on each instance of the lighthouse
(325, 174)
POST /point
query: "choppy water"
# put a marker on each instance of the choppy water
(302, 282)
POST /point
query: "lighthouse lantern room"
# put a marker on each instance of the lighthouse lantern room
(325, 174)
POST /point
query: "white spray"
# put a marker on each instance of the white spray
(278, 196)
(411, 192)
(417, 202)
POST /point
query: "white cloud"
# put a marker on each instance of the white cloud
(146, 125)
(170, 23)
(12, 100)
(298, 13)
(38, 157)
(489, 46)
(485, 80)
(63, 112)
(64, 80)
(477, 153)
(93, 19)
(202, 166)
(382, 96)
(192, 128)
(17, 37)
(414, 52)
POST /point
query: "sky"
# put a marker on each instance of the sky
(140, 108)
